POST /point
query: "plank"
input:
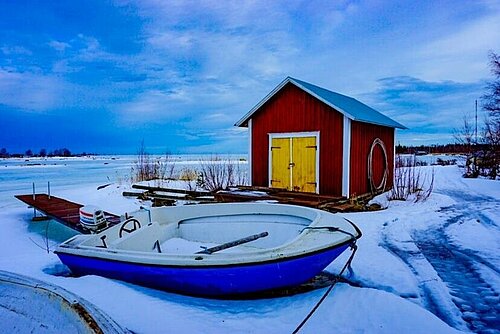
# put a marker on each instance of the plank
(62, 210)
(172, 190)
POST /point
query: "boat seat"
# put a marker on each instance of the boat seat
(142, 240)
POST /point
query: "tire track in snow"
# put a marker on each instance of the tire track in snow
(433, 293)
(477, 299)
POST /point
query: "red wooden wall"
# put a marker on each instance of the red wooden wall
(363, 135)
(293, 110)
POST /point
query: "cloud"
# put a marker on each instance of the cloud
(59, 46)
(220, 140)
(15, 50)
(461, 54)
(30, 91)
(193, 68)
(431, 110)
(155, 105)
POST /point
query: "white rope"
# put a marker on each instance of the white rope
(383, 183)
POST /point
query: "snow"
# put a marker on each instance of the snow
(183, 246)
(470, 234)
(55, 317)
(401, 282)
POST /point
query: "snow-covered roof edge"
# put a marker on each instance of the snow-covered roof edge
(366, 114)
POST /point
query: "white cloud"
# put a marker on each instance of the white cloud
(462, 54)
(155, 105)
(30, 91)
(15, 50)
(59, 46)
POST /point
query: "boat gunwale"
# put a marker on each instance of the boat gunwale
(205, 265)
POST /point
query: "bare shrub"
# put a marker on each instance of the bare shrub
(490, 156)
(410, 179)
(218, 173)
(410, 161)
(448, 162)
(147, 167)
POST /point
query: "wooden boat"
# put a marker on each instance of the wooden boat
(213, 249)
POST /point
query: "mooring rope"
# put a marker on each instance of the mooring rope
(331, 229)
(354, 248)
(381, 186)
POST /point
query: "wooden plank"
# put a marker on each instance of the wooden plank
(132, 193)
(172, 190)
(285, 197)
(261, 188)
(62, 211)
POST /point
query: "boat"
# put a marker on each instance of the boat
(213, 250)
(28, 305)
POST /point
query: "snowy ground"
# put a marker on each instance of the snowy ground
(431, 267)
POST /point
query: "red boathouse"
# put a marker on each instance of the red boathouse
(307, 138)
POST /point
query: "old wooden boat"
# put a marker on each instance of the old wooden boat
(213, 249)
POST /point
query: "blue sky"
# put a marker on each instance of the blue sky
(101, 76)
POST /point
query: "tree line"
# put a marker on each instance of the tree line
(60, 152)
(456, 148)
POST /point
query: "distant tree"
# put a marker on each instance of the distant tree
(43, 152)
(28, 153)
(4, 153)
(491, 100)
(491, 130)
(465, 134)
(65, 152)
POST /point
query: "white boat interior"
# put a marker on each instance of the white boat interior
(177, 234)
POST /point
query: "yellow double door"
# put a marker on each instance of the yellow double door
(293, 163)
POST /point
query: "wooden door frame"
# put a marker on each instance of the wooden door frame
(293, 135)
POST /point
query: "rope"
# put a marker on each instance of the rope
(381, 186)
(354, 248)
(331, 229)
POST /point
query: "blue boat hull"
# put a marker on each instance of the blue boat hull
(224, 280)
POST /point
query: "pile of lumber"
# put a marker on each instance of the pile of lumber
(162, 196)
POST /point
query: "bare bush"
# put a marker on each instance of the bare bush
(410, 179)
(147, 167)
(490, 165)
(218, 173)
(448, 162)
(465, 136)
(410, 161)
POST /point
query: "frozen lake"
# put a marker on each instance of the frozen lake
(17, 175)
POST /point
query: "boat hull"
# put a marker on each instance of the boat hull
(212, 281)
